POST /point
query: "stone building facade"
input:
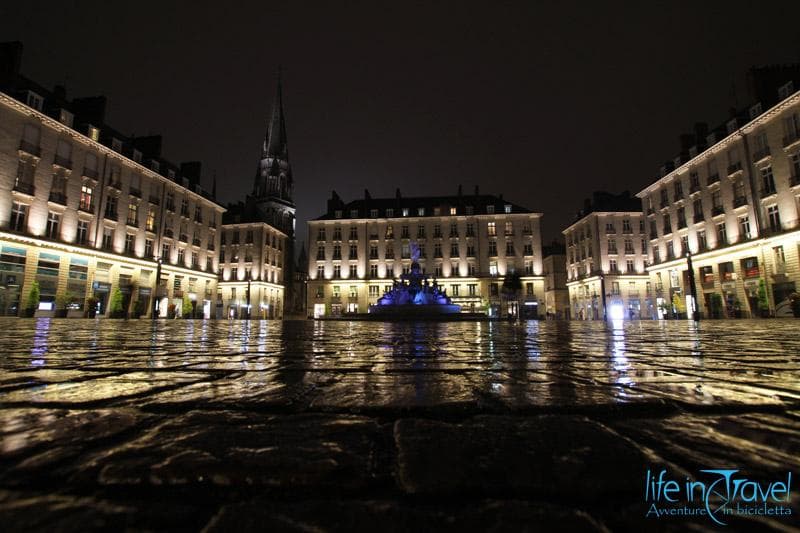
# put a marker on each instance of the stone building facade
(732, 202)
(469, 244)
(85, 210)
(606, 260)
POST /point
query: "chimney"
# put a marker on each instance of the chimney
(191, 171)
(477, 191)
(397, 193)
(459, 189)
(60, 93)
(10, 62)
(366, 195)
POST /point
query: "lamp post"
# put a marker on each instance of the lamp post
(158, 285)
(248, 295)
(692, 287)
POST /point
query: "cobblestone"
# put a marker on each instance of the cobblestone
(353, 425)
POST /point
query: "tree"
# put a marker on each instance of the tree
(512, 287)
(186, 307)
(115, 307)
(32, 302)
(763, 302)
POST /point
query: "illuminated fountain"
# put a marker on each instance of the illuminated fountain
(413, 296)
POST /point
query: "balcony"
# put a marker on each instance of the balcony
(90, 173)
(155, 200)
(30, 148)
(170, 207)
(58, 198)
(664, 203)
(698, 217)
(183, 237)
(195, 242)
(115, 185)
(732, 169)
(650, 211)
(717, 210)
(653, 235)
(794, 181)
(64, 162)
(681, 223)
(767, 191)
(86, 208)
(739, 201)
(135, 192)
(112, 214)
(790, 139)
(694, 188)
(25, 188)
(761, 154)
(169, 233)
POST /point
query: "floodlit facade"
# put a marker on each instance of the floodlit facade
(734, 207)
(606, 261)
(468, 243)
(252, 257)
(85, 211)
(556, 294)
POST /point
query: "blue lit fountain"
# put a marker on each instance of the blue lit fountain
(413, 296)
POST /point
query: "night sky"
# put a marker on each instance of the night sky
(543, 102)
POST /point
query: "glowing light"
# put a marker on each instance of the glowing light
(616, 312)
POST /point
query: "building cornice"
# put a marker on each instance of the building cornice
(253, 225)
(63, 129)
(586, 218)
(419, 218)
(724, 143)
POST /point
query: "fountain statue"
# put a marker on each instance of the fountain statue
(413, 296)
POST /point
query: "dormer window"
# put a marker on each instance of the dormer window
(453, 210)
(389, 213)
(421, 211)
(94, 133)
(469, 210)
(507, 208)
(34, 100)
(354, 213)
(373, 213)
(116, 145)
(171, 174)
(338, 213)
(755, 110)
(137, 156)
(490, 209)
(785, 90)
(405, 211)
(155, 166)
(65, 117)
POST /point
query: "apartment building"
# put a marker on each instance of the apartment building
(468, 243)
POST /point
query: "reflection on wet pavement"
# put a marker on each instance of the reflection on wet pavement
(241, 415)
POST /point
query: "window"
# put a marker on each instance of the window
(373, 271)
(507, 208)
(437, 249)
(470, 250)
(612, 246)
(780, 259)
(670, 250)
(184, 208)
(744, 228)
(420, 231)
(678, 189)
(629, 246)
(629, 266)
(610, 227)
(353, 233)
(85, 203)
(453, 210)
(612, 265)
(437, 230)
(472, 289)
(166, 252)
(470, 210)
(667, 224)
(615, 287)
(373, 213)
(454, 251)
(493, 268)
(684, 244)
(83, 232)
(471, 269)
(702, 243)
(34, 100)
(528, 268)
(354, 213)
(133, 214)
(148, 248)
(509, 228)
(404, 232)
(490, 209)
(492, 248)
(767, 181)
(353, 271)
(19, 216)
(626, 226)
(129, 242)
(53, 224)
(111, 207)
(454, 290)
(337, 271)
(181, 257)
(528, 249)
(509, 248)
(491, 229)
(234, 272)
(108, 238)
(389, 271)
(373, 251)
(453, 230)
(470, 229)
(722, 234)
(353, 252)
(774, 218)
(337, 233)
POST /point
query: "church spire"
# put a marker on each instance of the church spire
(275, 146)
(274, 177)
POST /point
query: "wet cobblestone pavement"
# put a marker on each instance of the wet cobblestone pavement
(342, 426)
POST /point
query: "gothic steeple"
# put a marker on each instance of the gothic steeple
(274, 177)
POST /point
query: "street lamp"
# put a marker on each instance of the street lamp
(158, 285)
(692, 287)
(248, 294)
